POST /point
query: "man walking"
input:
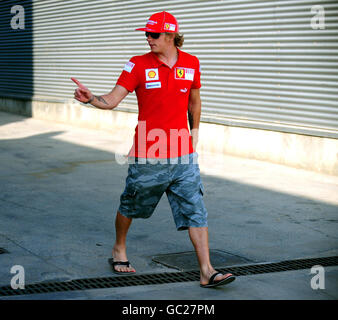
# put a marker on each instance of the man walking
(167, 82)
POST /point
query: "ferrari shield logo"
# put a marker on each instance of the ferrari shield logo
(184, 74)
(180, 73)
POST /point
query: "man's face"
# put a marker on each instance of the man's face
(161, 44)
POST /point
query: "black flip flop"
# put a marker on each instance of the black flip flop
(212, 283)
(120, 263)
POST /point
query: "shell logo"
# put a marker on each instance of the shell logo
(151, 74)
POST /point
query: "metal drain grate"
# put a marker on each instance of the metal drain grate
(163, 278)
(281, 266)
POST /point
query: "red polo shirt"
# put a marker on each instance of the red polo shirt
(163, 94)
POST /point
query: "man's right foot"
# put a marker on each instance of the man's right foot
(120, 263)
(119, 267)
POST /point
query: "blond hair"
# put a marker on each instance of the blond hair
(178, 40)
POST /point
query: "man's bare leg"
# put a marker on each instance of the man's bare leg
(122, 225)
(200, 241)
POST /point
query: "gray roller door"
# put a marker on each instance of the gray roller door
(263, 64)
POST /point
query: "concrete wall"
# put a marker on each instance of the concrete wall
(296, 150)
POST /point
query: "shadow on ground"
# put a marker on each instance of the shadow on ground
(58, 201)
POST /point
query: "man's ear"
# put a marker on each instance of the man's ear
(170, 36)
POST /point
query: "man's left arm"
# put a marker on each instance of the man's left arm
(194, 115)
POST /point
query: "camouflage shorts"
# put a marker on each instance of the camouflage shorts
(181, 181)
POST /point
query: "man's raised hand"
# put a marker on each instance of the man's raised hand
(81, 93)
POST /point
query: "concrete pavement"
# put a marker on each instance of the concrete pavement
(60, 188)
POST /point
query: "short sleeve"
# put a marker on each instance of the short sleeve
(129, 78)
(197, 78)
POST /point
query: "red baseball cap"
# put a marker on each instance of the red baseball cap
(161, 22)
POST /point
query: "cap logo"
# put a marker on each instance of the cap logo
(169, 26)
(151, 22)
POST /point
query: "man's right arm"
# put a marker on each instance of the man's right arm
(110, 100)
(107, 101)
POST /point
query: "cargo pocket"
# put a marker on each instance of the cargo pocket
(131, 191)
(201, 189)
(128, 198)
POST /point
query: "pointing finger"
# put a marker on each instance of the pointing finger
(79, 84)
